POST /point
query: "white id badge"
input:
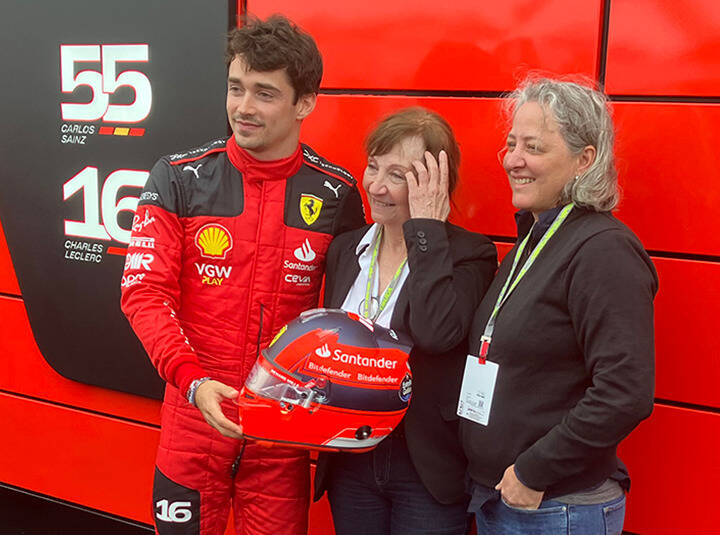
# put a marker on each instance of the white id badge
(476, 392)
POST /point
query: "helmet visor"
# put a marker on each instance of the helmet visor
(273, 386)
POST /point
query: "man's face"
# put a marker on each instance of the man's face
(262, 115)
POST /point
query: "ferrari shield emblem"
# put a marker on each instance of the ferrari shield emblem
(310, 206)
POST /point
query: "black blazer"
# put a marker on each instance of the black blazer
(450, 269)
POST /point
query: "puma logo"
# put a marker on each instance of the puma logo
(193, 169)
(334, 190)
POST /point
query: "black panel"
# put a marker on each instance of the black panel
(26, 513)
(71, 284)
(206, 186)
(176, 508)
(315, 193)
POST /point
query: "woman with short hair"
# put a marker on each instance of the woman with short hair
(563, 340)
(416, 273)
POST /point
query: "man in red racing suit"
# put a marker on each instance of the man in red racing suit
(228, 244)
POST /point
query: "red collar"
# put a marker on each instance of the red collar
(254, 169)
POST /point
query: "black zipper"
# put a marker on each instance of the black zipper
(236, 463)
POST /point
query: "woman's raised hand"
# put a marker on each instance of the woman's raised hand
(428, 194)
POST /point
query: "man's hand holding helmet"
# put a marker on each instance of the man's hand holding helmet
(208, 399)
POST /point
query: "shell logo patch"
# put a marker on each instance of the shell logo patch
(214, 241)
(310, 207)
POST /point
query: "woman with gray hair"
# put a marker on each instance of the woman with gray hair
(562, 354)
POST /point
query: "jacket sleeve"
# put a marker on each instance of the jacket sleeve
(150, 293)
(331, 263)
(610, 284)
(446, 283)
(340, 247)
(351, 213)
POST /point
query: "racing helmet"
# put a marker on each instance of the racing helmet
(329, 380)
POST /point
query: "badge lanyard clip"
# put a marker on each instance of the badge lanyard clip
(484, 347)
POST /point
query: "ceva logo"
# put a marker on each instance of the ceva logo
(323, 351)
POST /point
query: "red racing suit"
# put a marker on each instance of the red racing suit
(225, 250)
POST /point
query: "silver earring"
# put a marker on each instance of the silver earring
(576, 177)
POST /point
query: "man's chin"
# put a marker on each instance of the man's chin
(247, 142)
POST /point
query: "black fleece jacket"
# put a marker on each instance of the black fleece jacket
(575, 348)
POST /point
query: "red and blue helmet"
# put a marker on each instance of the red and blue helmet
(330, 380)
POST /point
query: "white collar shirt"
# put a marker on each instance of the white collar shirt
(355, 298)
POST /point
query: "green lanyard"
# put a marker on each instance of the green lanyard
(506, 291)
(388, 291)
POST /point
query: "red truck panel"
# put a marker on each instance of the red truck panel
(80, 457)
(8, 281)
(669, 168)
(414, 44)
(664, 47)
(687, 307)
(503, 249)
(29, 374)
(673, 462)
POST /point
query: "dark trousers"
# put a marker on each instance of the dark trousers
(380, 493)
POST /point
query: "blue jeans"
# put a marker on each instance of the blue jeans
(551, 518)
(380, 493)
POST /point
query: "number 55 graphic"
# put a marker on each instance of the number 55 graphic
(105, 83)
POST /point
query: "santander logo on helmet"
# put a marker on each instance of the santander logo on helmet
(359, 360)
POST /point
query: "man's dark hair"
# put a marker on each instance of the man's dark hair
(277, 43)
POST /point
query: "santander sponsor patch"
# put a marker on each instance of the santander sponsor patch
(299, 266)
(304, 254)
(380, 368)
